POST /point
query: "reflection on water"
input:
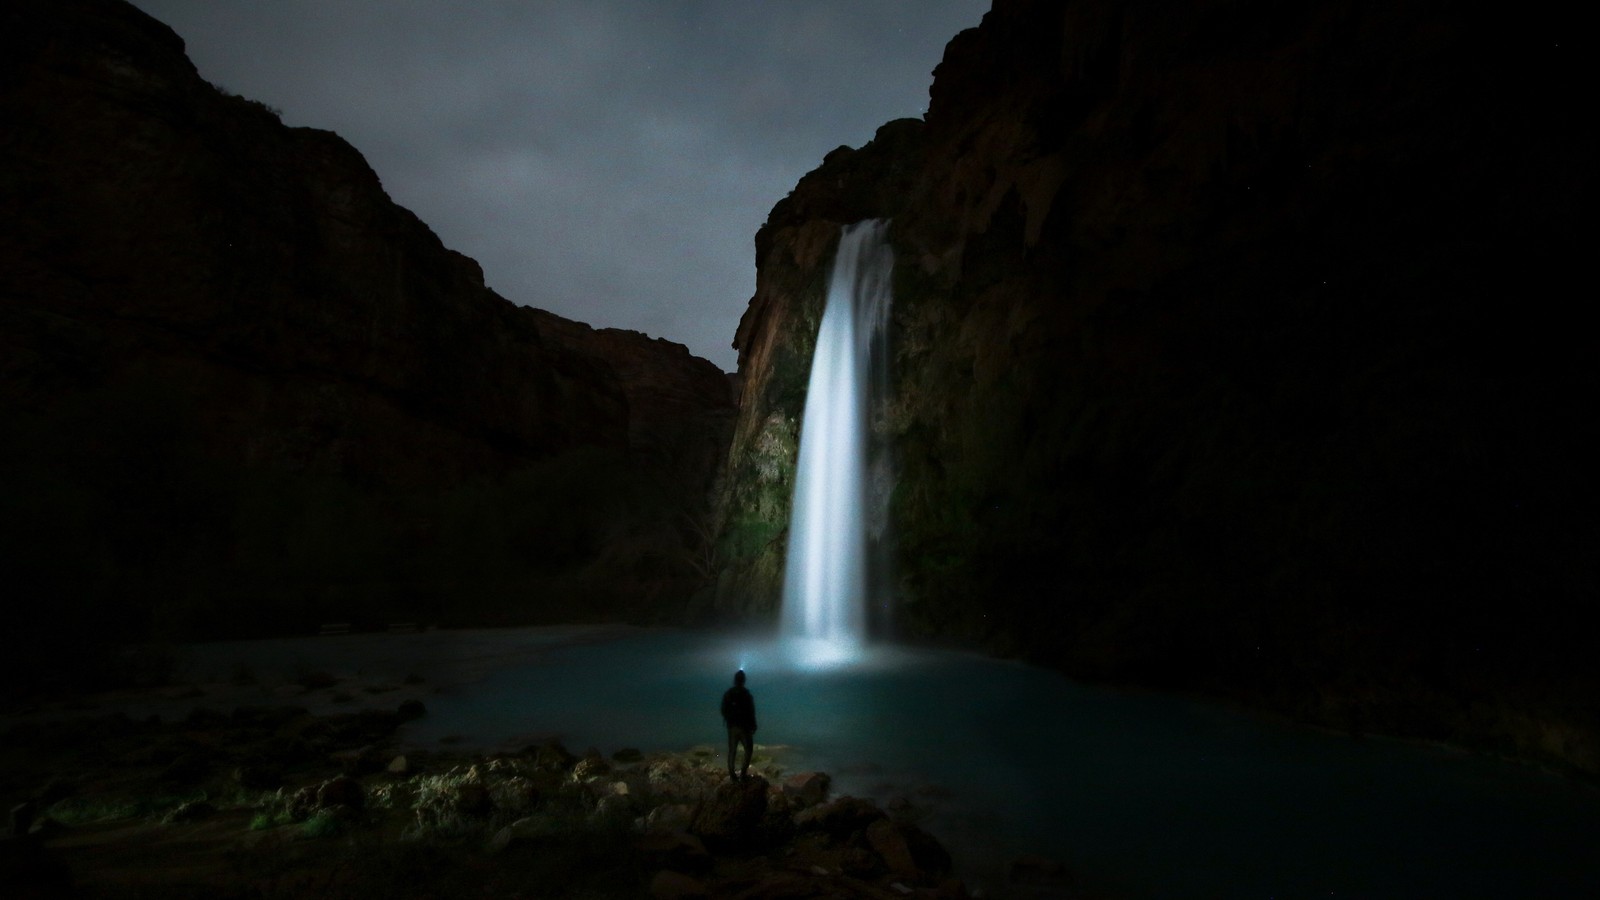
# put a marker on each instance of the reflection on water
(1141, 794)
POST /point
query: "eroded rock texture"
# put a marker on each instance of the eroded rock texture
(243, 392)
(1236, 348)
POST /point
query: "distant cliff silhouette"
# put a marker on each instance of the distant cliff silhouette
(243, 392)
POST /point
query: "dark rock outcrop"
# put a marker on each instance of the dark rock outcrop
(242, 391)
(729, 819)
(1235, 350)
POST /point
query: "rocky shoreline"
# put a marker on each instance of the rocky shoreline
(275, 801)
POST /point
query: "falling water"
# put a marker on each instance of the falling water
(840, 496)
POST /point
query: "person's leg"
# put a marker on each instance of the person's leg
(733, 744)
(749, 750)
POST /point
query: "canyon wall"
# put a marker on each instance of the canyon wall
(243, 392)
(1237, 349)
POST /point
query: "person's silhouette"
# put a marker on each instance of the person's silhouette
(739, 714)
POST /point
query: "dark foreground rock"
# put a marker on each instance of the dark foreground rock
(666, 825)
(730, 819)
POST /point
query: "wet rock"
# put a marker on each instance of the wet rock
(613, 806)
(303, 803)
(676, 777)
(859, 862)
(777, 825)
(192, 811)
(552, 755)
(519, 793)
(670, 885)
(472, 799)
(839, 818)
(807, 788)
(730, 819)
(341, 791)
(908, 851)
(590, 767)
(667, 818)
(521, 833)
(676, 850)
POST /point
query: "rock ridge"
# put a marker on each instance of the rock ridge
(244, 392)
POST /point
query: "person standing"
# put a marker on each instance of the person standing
(739, 715)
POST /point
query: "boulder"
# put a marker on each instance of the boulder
(675, 850)
(341, 791)
(730, 819)
(667, 818)
(360, 761)
(807, 788)
(675, 777)
(613, 806)
(303, 803)
(552, 755)
(472, 800)
(908, 851)
(519, 833)
(590, 767)
(519, 793)
(398, 766)
(839, 818)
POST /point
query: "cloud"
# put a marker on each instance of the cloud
(608, 160)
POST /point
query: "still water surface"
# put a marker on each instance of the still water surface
(1141, 794)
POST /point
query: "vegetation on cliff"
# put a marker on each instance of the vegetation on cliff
(1233, 352)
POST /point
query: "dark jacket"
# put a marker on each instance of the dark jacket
(739, 708)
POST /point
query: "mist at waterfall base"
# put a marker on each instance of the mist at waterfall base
(838, 524)
(1139, 794)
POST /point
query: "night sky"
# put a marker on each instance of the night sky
(608, 160)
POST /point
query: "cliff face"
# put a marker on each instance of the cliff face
(243, 391)
(1234, 351)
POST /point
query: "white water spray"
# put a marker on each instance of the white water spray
(838, 509)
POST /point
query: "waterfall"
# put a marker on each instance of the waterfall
(840, 512)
